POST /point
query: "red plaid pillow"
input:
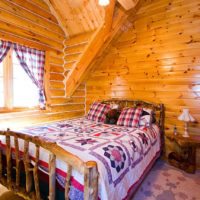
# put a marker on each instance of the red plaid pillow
(129, 117)
(97, 112)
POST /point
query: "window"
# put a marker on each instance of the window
(28, 96)
(17, 91)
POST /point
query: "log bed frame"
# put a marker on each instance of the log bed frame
(88, 169)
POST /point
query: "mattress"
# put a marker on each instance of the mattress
(123, 154)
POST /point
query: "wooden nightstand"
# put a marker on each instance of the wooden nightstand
(186, 158)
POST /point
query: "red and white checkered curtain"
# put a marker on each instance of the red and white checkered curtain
(33, 61)
(4, 49)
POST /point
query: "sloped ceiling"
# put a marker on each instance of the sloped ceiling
(80, 16)
(77, 16)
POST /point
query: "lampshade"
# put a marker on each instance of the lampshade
(104, 2)
(185, 116)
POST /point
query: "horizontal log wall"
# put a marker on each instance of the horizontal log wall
(74, 48)
(30, 22)
(157, 59)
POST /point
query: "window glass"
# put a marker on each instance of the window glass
(1, 86)
(25, 93)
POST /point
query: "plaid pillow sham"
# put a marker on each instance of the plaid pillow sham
(97, 112)
(129, 117)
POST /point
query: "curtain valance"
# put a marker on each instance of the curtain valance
(4, 49)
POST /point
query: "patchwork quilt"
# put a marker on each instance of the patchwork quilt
(123, 154)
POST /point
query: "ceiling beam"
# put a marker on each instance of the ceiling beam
(109, 15)
(100, 40)
(128, 4)
(56, 13)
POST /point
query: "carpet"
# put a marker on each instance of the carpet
(165, 182)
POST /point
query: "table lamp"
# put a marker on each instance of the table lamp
(185, 116)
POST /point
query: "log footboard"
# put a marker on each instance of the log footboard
(31, 190)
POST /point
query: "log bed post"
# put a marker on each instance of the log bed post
(17, 156)
(27, 166)
(52, 176)
(8, 160)
(68, 179)
(90, 181)
(35, 173)
(161, 124)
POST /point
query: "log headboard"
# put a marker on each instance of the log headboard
(158, 108)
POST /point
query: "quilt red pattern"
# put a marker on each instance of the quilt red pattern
(122, 153)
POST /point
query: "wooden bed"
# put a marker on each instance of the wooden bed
(88, 169)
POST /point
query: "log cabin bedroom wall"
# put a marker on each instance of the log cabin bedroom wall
(156, 58)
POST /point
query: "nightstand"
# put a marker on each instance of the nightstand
(186, 158)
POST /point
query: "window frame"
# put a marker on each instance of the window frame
(8, 86)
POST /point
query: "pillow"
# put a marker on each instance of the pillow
(129, 117)
(112, 116)
(97, 112)
(114, 106)
(147, 117)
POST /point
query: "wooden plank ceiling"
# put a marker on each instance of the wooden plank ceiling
(77, 16)
(81, 16)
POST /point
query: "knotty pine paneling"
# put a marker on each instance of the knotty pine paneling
(156, 58)
(30, 22)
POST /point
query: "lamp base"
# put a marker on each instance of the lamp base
(186, 135)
